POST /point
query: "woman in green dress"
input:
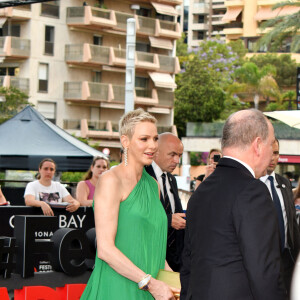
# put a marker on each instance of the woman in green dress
(130, 222)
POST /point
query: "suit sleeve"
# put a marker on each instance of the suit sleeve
(293, 219)
(258, 235)
(185, 268)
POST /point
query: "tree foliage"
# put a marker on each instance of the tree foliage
(283, 27)
(15, 100)
(206, 73)
(284, 64)
(199, 98)
(255, 81)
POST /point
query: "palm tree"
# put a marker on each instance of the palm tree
(283, 27)
(252, 80)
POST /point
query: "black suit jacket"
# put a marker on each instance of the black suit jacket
(173, 255)
(231, 241)
(293, 236)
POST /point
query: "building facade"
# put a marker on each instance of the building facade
(202, 19)
(243, 20)
(70, 57)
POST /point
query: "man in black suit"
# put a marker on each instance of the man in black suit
(280, 189)
(231, 247)
(167, 157)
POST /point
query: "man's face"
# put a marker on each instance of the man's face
(266, 153)
(274, 160)
(168, 154)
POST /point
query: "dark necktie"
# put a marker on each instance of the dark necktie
(168, 209)
(166, 199)
(279, 212)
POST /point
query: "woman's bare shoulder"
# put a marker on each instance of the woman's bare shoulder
(111, 176)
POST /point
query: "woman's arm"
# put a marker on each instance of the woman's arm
(82, 193)
(107, 203)
(31, 201)
(2, 198)
(74, 204)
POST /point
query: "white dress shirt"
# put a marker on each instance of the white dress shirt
(158, 172)
(266, 181)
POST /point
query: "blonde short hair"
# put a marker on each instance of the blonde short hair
(131, 119)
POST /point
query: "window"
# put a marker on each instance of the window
(141, 82)
(139, 46)
(97, 40)
(10, 30)
(144, 12)
(9, 71)
(43, 78)
(49, 40)
(165, 17)
(200, 35)
(200, 19)
(48, 110)
(50, 9)
(96, 76)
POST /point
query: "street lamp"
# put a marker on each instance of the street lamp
(130, 65)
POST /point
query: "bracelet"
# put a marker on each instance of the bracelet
(143, 284)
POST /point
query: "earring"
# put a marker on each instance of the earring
(125, 157)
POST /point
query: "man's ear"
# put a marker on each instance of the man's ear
(257, 146)
(125, 141)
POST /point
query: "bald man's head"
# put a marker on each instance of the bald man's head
(169, 152)
(242, 127)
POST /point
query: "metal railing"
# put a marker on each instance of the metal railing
(72, 90)
(167, 63)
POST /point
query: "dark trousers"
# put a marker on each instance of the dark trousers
(288, 268)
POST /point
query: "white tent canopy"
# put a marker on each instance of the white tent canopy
(289, 117)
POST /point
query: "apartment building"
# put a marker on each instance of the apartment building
(202, 19)
(70, 57)
(244, 17)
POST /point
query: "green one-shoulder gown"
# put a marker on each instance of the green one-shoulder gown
(141, 236)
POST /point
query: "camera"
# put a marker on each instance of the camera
(217, 157)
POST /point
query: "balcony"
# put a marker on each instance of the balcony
(14, 47)
(18, 13)
(201, 8)
(167, 29)
(234, 28)
(117, 57)
(168, 64)
(87, 55)
(106, 94)
(17, 82)
(90, 17)
(144, 60)
(200, 26)
(98, 129)
(111, 21)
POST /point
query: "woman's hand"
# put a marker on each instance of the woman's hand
(47, 211)
(160, 291)
(73, 206)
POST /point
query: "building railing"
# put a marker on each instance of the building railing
(51, 10)
(115, 20)
(87, 92)
(14, 46)
(87, 54)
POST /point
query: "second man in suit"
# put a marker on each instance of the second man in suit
(280, 189)
(167, 157)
